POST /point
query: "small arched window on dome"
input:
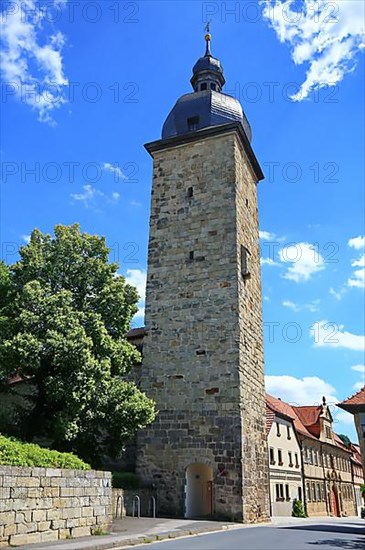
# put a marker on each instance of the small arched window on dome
(203, 86)
(213, 86)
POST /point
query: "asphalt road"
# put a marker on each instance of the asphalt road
(347, 535)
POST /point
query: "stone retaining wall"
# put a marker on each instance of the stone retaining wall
(42, 505)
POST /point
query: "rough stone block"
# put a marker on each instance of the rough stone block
(53, 472)
(44, 525)
(80, 532)
(7, 518)
(87, 512)
(28, 538)
(4, 492)
(9, 530)
(26, 528)
(64, 534)
(54, 514)
(31, 482)
(39, 515)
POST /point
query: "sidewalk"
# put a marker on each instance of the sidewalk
(131, 531)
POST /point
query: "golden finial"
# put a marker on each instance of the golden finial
(208, 38)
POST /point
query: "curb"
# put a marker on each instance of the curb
(148, 539)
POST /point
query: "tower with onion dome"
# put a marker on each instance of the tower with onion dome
(206, 452)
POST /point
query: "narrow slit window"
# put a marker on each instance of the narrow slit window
(193, 123)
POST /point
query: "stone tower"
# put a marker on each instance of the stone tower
(206, 452)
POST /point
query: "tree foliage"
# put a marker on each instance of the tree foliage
(345, 439)
(67, 313)
(16, 453)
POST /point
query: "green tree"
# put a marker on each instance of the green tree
(66, 326)
(345, 439)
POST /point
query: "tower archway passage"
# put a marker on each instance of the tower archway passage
(198, 491)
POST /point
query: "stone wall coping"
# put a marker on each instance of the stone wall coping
(52, 472)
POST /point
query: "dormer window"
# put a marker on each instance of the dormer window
(193, 123)
(203, 86)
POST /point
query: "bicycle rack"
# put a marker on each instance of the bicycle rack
(137, 500)
(120, 500)
(153, 502)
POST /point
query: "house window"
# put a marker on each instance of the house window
(287, 492)
(272, 455)
(299, 493)
(190, 192)
(203, 86)
(319, 496)
(213, 86)
(290, 454)
(193, 123)
(280, 457)
(315, 456)
(309, 455)
(308, 491)
(279, 487)
(314, 494)
(278, 429)
(328, 432)
(288, 432)
(296, 461)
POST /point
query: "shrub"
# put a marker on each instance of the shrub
(298, 509)
(125, 480)
(16, 453)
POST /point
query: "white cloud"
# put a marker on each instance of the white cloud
(312, 306)
(269, 261)
(308, 390)
(300, 391)
(360, 262)
(138, 278)
(357, 279)
(31, 59)
(26, 238)
(357, 242)
(332, 335)
(91, 197)
(338, 294)
(114, 169)
(326, 36)
(267, 236)
(305, 261)
(361, 383)
(359, 368)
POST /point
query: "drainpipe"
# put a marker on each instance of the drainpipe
(324, 478)
(304, 484)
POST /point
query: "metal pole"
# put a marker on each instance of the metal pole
(153, 506)
(138, 500)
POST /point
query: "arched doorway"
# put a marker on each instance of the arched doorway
(334, 503)
(199, 491)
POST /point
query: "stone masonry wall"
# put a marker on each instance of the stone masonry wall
(203, 357)
(43, 505)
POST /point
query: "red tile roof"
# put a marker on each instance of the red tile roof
(309, 415)
(279, 406)
(356, 401)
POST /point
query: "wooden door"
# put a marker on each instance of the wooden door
(335, 506)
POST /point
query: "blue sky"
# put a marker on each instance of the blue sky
(86, 84)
